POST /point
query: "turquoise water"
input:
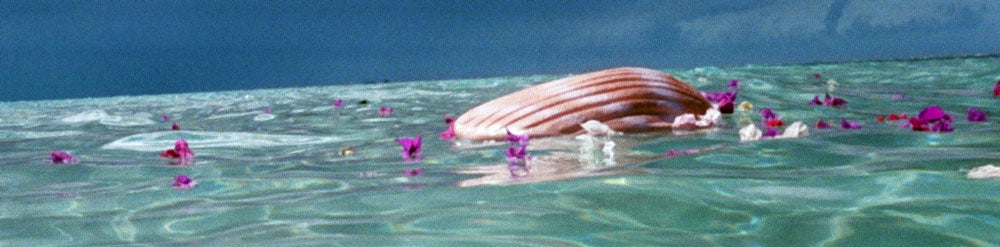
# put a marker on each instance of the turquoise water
(282, 180)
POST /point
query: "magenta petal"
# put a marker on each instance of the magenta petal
(897, 96)
(183, 182)
(267, 111)
(414, 172)
(726, 107)
(931, 113)
(449, 134)
(175, 127)
(733, 85)
(182, 149)
(770, 132)
(447, 119)
(166, 118)
(518, 139)
(338, 102)
(838, 102)
(411, 148)
(942, 126)
(767, 113)
(516, 152)
(976, 115)
(844, 123)
(60, 157)
(815, 101)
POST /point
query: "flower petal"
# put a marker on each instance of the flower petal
(976, 115)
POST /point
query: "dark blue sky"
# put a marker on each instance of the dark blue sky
(72, 49)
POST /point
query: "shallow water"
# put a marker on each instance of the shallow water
(280, 180)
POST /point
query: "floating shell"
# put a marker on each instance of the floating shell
(627, 99)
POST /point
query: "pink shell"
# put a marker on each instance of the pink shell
(626, 99)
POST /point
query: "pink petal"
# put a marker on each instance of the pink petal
(932, 113)
(384, 111)
(414, 172)
(449, 134)
(338, 102)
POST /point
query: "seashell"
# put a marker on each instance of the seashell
(628, 100)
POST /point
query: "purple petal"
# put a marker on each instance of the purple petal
(942, 126)
(516, 152)
(897, 96)
(844, 123)
(60, 157)
(726, 107)
(770, 132)
(766, 113)
(518, 139)
(932, 113)
(733, 85)
(166, 118)
(816, 101)
(183, 182)
(338, 102)
(976, 115)
(267, 110)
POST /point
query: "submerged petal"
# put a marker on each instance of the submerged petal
(846, 124)
(815, 101)
(414, 172)
(976, 115)
(384, 111)
(822, 124)
(767, 113)
(183, 182)
(60, 157)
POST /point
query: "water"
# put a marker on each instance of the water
(281, 180)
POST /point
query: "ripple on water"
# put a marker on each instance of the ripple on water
(156, 141)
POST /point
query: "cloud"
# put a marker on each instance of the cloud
(924, 15)
(773, 22)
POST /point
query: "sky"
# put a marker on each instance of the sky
(73, 49)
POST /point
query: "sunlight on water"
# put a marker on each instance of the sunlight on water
(283, 179)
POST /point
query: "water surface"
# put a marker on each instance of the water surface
(280, 180)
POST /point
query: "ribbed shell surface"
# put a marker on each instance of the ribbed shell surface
(627, 99)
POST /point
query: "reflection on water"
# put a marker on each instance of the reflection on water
(281, 178)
